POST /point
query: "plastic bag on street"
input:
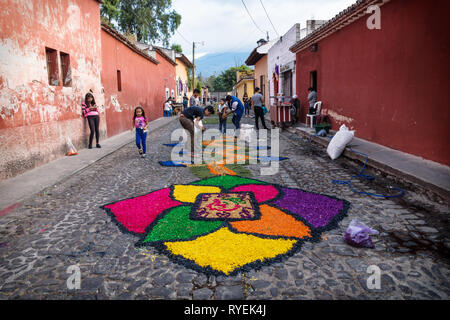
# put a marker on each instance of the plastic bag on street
(198, 136)
(71, 150)
(246, 132)
(358, 235)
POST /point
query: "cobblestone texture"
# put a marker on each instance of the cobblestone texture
(64, 225)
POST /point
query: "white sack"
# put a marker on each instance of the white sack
(339, 142)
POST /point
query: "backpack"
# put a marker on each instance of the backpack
(264, 109)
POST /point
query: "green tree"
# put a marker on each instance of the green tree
(227, 79)
(177, 48)
(149, 20)
(109, 11)
(189, 73)
(210, 82)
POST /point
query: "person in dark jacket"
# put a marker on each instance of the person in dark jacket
(295, 108)
(190, 117)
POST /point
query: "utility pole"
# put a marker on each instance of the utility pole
(193, 62)
(193, 66)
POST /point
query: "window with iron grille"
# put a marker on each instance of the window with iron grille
(52, 66)
(65, 68)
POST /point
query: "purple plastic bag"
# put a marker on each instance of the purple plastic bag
(358, 235)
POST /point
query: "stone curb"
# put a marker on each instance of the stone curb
(17, 203)
(386, 169)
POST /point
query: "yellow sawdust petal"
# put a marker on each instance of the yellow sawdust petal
(189, 193)
(225, 251)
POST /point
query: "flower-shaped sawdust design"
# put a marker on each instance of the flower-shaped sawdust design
(226, 224)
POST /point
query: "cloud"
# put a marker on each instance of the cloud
(224, 25)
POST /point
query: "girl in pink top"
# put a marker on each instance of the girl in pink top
(140, 122)
(90, 112)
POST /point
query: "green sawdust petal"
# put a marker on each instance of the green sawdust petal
(203, 172)
(176, 225)
(227, 181)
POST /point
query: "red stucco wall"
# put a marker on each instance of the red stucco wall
(390, 85)
(36, 117)
(143, 83)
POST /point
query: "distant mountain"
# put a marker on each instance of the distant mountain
(218, 62)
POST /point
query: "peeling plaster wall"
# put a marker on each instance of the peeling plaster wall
(35, 117)
(390, 85)
(143, 83)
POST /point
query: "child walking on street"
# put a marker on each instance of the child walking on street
(140, 122)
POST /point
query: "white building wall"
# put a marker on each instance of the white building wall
(280, 55)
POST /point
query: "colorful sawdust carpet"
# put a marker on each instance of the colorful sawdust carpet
(226, 224)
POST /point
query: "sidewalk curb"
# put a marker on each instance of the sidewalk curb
(107, 154)
(17, 203)
(386, 169)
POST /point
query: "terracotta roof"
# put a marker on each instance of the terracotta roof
(254, 57)
(164, 55)
(244, 79)
(185, 60)
(113, 32)
(341, 20)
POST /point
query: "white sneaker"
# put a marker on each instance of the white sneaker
(143, 155)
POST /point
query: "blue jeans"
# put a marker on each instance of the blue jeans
(141, 138)
(247, 108)
(236, 121)
(222, 124)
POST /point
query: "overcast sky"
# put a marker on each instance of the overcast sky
(225, 25)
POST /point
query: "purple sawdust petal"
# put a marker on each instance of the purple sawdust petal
(317, 209)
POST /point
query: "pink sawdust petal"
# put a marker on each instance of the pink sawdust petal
(262, 192)
(137, 213)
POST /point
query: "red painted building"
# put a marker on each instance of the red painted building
(50, 56)
(391, 85)
(132, 78)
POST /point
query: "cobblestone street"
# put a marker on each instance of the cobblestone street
(64, 225)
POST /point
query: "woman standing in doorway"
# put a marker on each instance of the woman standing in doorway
(90, 112)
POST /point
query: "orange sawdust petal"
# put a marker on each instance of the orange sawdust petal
(274, 222)
(220, 169)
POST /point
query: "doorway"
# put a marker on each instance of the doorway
(287, 83)
(313, 80)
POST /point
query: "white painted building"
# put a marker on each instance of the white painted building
(281, 61)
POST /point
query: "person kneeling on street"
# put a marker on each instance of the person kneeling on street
(190, 118)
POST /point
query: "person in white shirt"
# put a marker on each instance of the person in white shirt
(167, 108)
(194, 101)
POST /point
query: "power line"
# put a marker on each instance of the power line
(269, 18)
(252, 18)
(183, 37)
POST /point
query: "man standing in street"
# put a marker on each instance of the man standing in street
(236, 107)
(295, 108)
(257, 103)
